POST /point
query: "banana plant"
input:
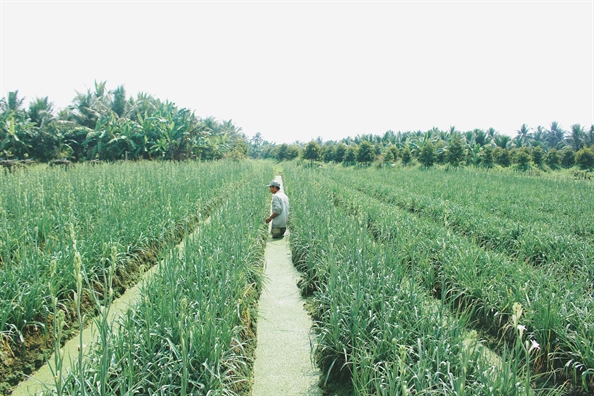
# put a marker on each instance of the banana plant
(11, 145)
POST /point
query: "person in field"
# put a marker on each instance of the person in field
(279, 210)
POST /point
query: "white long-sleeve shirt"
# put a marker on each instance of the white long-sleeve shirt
(280, 206)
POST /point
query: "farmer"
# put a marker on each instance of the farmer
(279, 210)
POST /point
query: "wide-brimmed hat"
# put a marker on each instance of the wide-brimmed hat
(274, 183)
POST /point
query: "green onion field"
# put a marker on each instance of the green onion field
(420, 281)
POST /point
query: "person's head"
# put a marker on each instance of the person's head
(274, 186)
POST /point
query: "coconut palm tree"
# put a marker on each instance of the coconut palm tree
(14, 103)
(502, 141)
(523, 137)
(41, 111)
(575, 137)
(589, 137)
(554, 135)
(538, 137)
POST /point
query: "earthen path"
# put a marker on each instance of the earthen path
(283, 364)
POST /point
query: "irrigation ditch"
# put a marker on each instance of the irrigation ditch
(26, 369)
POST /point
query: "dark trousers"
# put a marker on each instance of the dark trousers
(278, 232)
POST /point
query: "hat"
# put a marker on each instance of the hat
(274, 183)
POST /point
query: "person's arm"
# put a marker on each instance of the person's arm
(277, 208)
(272, 216)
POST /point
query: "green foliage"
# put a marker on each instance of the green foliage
(538, 156)
(393, 149)
(281, 152)
(85, 210)
(103, 124)
(502, 157)
(552, 158)
(312, 151)
(389, 156)
(440, 157)
(406, 156)
(427, 155)
(584, 158)
(455, 152)
(292, 152)
(118, 104)
(418, 236)
(365, 153)
(350, 156)
(487, 159)
(575, 137)
(567, 157)
(287, 152)
(339, 153)
(522, 159)
(328, 155)
(194, 315)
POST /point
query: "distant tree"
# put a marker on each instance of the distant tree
(537, 156)
(329, 154)
(395, 153)
(14, 104)
(502, 141)
(554, 135)
(552, 158)
(339, 152)
(589, 137)
(118, 104)
(312, 152)
(350, 156)
(388, 157)
(502, 157)
(487, 160)
(585, 158)
(292, 152)
(41, 111)
(480, 137)
(455, 152)
(524, 136)
(567, 157)
(575, 138)
(427, 155)
(281, 152)
(256, 145)
(440, 152)
(406, 156)
(365, 152)
(522, 159)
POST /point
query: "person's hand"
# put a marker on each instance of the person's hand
(268, 220)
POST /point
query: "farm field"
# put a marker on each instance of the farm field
(415, 273)
(75, 239)
(419, 281)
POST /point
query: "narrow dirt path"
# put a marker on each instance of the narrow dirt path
(283, 364)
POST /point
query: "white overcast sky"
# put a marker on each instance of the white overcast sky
(298, 70)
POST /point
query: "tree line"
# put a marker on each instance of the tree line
(552, 148)
(102, 124)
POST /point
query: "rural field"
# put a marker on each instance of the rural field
(447, 282)
(420, 281)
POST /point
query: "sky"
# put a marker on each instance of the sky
(299, 70)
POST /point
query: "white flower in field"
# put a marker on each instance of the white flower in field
(521, 329)
(534, 346)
